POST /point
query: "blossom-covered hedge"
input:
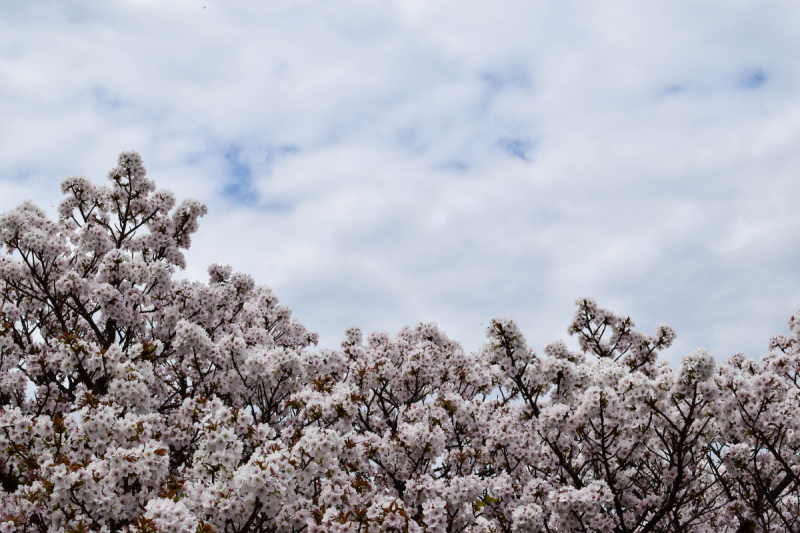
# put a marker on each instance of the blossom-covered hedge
(133, 401)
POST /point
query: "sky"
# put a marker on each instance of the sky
(382, 163)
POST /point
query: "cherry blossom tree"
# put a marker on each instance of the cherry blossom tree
(133, 401)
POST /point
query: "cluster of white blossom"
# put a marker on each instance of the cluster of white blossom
(131, 401)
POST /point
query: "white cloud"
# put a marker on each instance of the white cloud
(381, 163)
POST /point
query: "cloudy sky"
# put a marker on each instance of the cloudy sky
(381, 163)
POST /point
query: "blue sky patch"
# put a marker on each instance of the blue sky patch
(674, 89)
(513, 77)
(453, 165)
(105, 99)
(239, 185)
(753, 79)
(518, 148)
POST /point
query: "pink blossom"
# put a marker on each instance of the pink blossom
(166, 405)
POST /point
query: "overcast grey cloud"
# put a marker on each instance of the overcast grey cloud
(380, 163)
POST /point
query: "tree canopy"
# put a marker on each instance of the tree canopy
(134, 401)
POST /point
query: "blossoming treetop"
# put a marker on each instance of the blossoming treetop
(132, 401)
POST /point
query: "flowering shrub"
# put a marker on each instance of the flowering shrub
(133, 401)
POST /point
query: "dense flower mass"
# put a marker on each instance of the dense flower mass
(133, 401)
